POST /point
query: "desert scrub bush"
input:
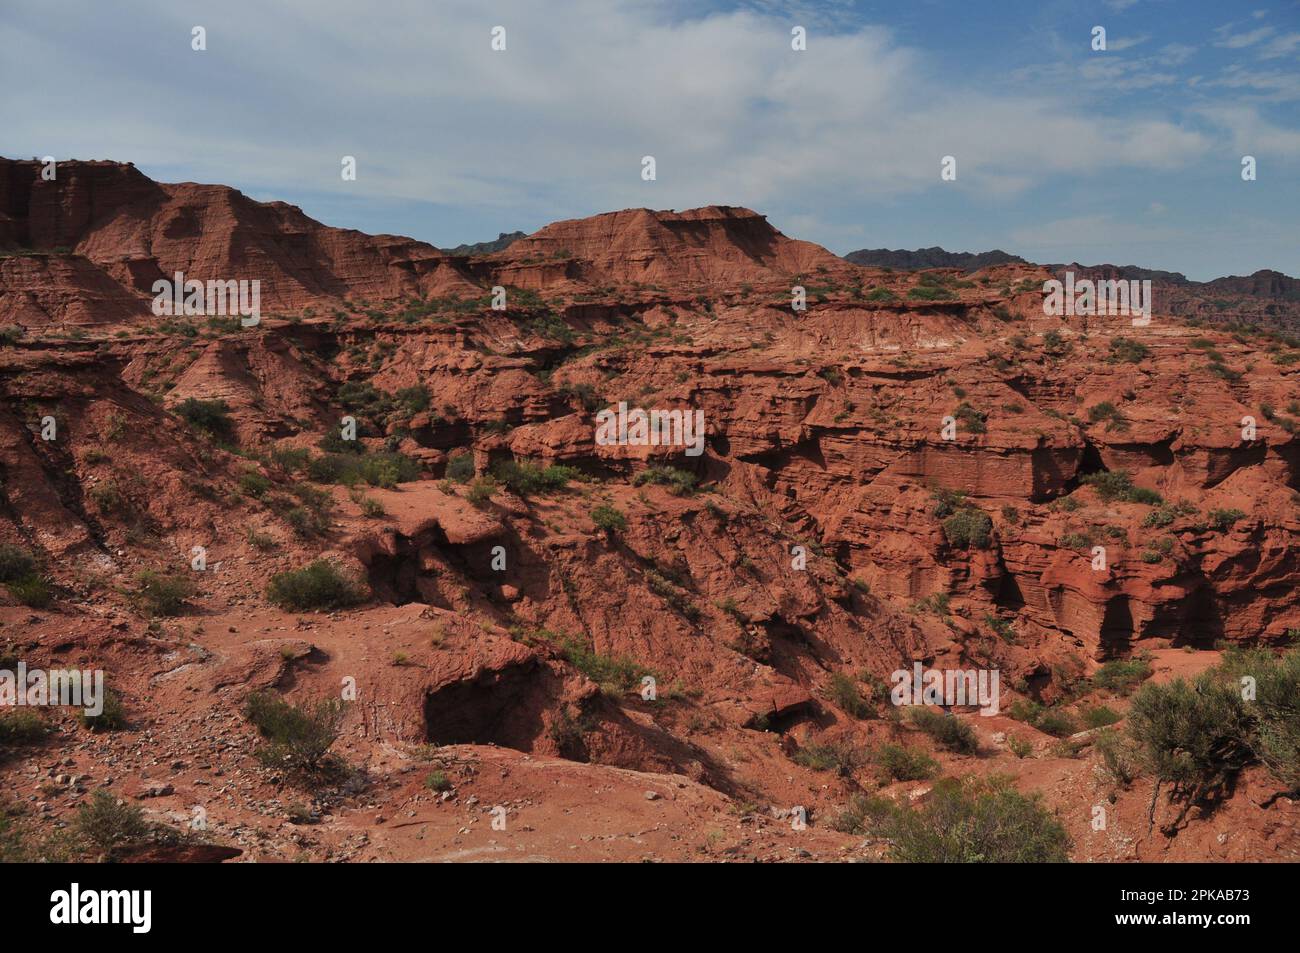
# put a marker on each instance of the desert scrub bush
(460, 467)
(210, 416)
(107, 497)
(1117, 485)
(968, 528)
(926, 292)
(24, 580)
(526, 479)
(970, 419)
(1119, 756)
(881, 293)
(965, 821)
(160, 594)
(1001, 627)
(377, 469)
(1224, 520)
(948, 731)
(900, 763)
(1121, 676)
(1099, 716)
(481, 490)
(1193, 736)
(1020, 747)
(1047, 720)
(437, 781)
(15, 563)
(111, 717)
(1108, 412)
(845, 694)
(253, 483)
(372, 508)
(290, 459)
(1127, 350)
(608, 518)
(297, 737)
(838, 756)
(1275, 740)
(111, 827)
(614, 674)
(679, 482)
(21, 727)
(319, 585)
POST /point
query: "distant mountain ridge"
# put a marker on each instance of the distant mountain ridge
(935, 257)
(500, 243)
(1267, 296)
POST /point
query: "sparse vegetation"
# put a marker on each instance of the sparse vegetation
(947, 730)
(297, 738)
(319, 585)
(963, 821)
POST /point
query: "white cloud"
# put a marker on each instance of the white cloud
(561, 119)
(1236, 41)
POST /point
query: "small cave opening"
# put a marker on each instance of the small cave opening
(501, 707)
(1009, 595)
(1090, 462)
(1116, 627)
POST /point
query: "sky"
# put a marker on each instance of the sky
(1131, 155)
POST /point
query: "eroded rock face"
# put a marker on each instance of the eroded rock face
(895, 475)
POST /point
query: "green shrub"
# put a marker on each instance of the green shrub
(1224, 520)
(1099, 716)
(614, 674)
(968, 527)
(1119, 756)
(22, 727)
(527, 479)
(1112, 485)
(1121, 676)
(1047, 720)
(1194, 737)
(1126, 350)
(33, 591)
(841, 757)
(679, 482)
(970, 821)
(437, 781)
(110, 826)
(298, 737)
(162, 595)
(1019, 747)
(608, 518)
(112, 716)
(15, 563)
(948, 731)
(845, 694)
(481, 490)
(210, 416)
(319, 585)
(899, 763)
(972, 420)
(460, 467)
(378, 469)
(254, 483)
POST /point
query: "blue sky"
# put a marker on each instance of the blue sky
(1131, 155)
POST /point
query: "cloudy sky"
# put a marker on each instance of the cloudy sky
(1132, 155)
